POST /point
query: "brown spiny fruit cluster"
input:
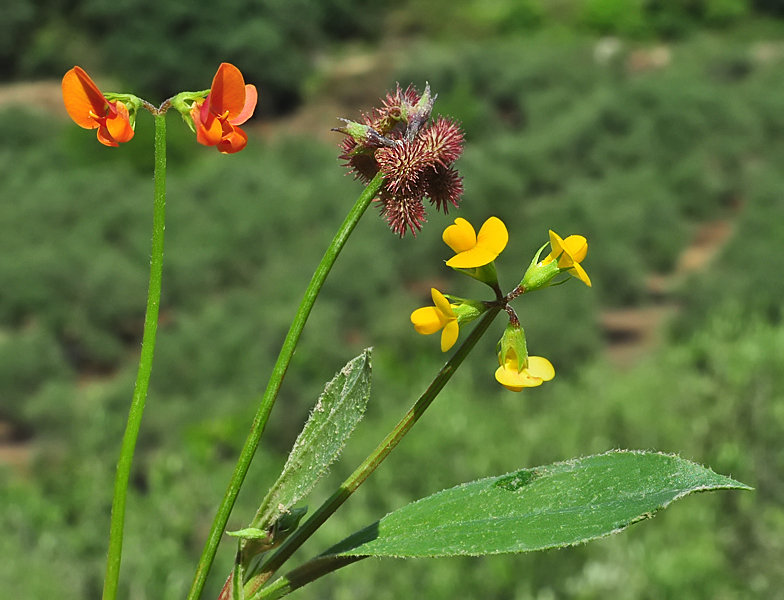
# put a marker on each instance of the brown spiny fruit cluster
(414, 154)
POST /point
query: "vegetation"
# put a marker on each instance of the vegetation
(632, 150)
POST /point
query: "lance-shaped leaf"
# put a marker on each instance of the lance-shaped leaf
(337, 412)
(533, 509)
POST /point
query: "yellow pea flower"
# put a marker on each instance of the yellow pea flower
(430, 319)
(475, 250)
(518, 370)
(569, 253)
(536, 371)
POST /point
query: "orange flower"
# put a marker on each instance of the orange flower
(229, 103)
(89, 109)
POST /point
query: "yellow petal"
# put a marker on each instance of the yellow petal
(556, 248)
(442, 304)
(493, 236)
(514, 381)
(460, 236)
(576, 246)
(449, 335)
(540, 368)
(580, 273)
(427, 320)
(475, 257)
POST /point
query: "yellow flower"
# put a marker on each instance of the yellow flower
(569, 253)
(430, 319)
(536, 371)
(475, 250)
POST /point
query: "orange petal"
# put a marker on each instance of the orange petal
(234, 141)
(227, 93)
(105, 137)
(119, 123)
(209, 130)
(251, 98)
(81, 96)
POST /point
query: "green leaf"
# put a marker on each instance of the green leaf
(337, 412)
(534, 509)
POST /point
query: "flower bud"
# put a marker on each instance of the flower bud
(518, 370)
(419, 113)
(364, 135)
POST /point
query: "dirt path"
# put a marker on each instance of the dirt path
(632, 333)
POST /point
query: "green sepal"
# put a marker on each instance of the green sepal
(539, 276)
(132, 103)
(486, 274)
(183, 103)
(513, 340)
(465, 309)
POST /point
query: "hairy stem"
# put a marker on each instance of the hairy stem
(296, 539)
(278, 372)
(145, 367)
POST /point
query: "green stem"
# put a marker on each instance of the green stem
(310, 571)
(296, 539)
(278, 372)
(145, 367)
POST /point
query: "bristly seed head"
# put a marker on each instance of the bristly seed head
(414, 154)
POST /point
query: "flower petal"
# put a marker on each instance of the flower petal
(580, 273)
(449, 335)
(427, 320)
(442, 304)
(81, 96)
(105, 137)
(556, 248)
(540, 368)
(227, 93)
(460, 236)
(233, 141)
(119, 124)
(475, 257)
(514, 381)
(209, 130)
(251, 98)
(493, 235)
(576, 246)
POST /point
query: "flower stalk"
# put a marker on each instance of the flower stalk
(276, 379)
(145, 366)
(350, 485)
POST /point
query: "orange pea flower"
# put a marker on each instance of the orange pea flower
(89, 109)
(230, 103)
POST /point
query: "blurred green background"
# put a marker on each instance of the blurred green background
(653, 127)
